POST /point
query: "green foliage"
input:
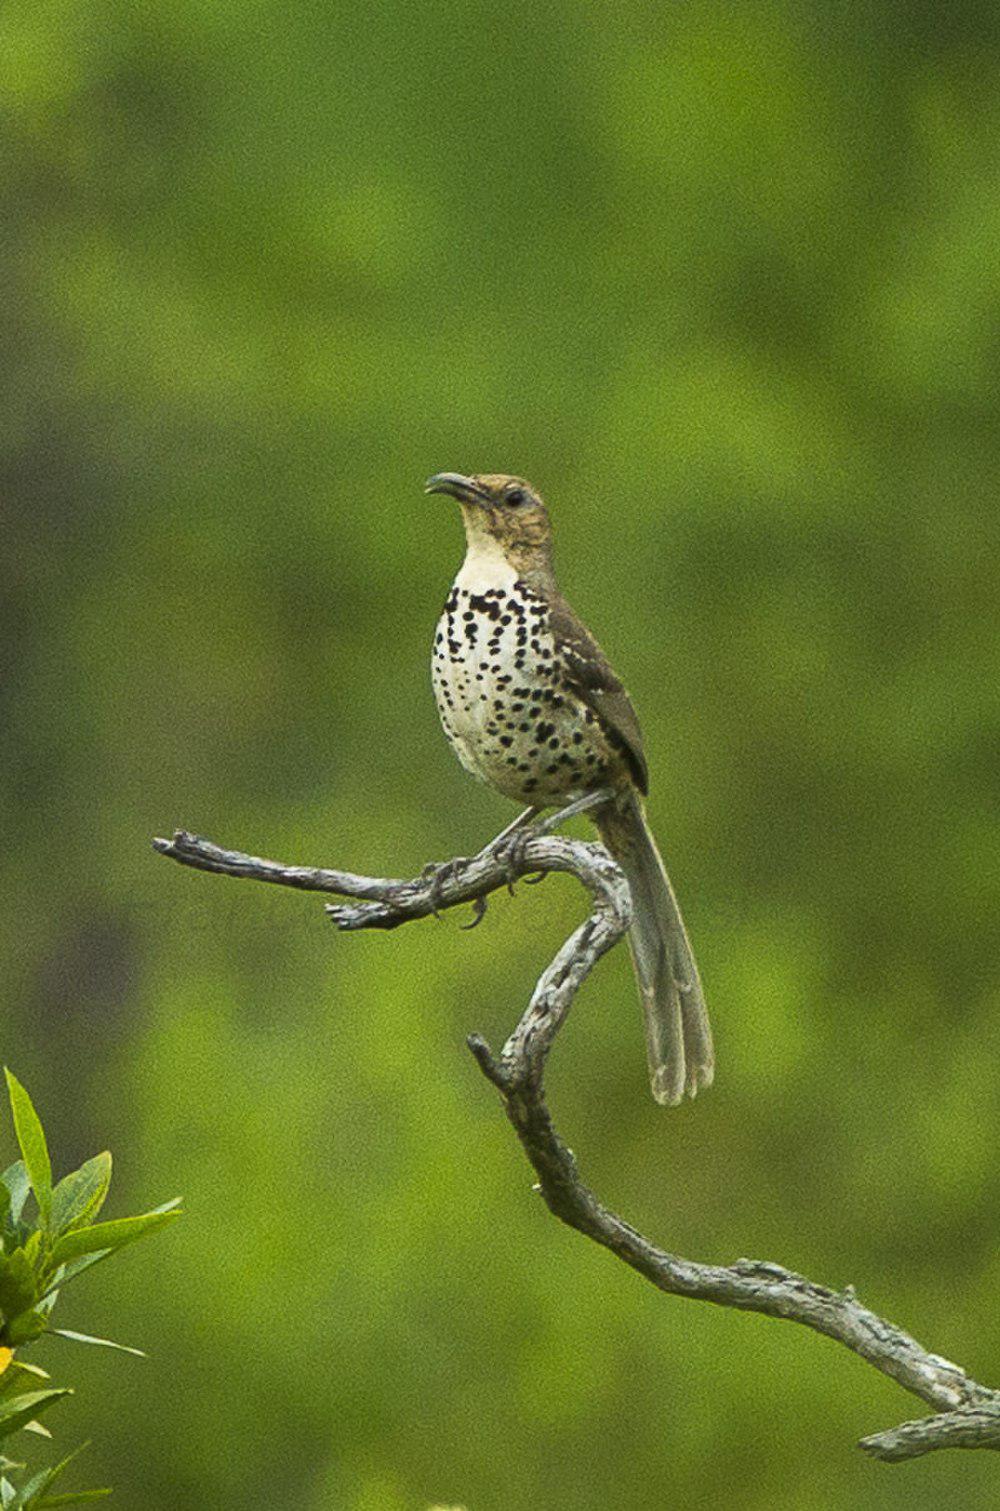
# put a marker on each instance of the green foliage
(41, 1256)
(34, 1150)
(80, 1196)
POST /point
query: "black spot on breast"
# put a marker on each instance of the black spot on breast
(483, 603)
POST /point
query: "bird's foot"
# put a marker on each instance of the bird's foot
(438, 873)
(513, 853)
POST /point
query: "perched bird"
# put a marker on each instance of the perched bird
(531, 706)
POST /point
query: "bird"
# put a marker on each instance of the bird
(532, 707)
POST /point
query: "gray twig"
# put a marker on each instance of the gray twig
(966, 1414)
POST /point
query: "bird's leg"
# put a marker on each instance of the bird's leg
(585, 804)
(438, 872)
(511, 841)
(590, 800)
(527, 816)
(524, 828)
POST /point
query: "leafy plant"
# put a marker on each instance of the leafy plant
(49, 1235)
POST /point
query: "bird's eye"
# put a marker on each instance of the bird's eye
(516, 496)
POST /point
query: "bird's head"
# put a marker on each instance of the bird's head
(501, 512)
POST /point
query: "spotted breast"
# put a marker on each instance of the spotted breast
(498, 674)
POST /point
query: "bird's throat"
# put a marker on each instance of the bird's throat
(485, 566)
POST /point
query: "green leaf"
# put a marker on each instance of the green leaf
(21, 1410)
(173, 1205)
(64, 1332)
(80, 1196)
(31, 1138)
(15, 1180)
(31, 1492)
(30, 1489)
(25, 1327)
(110, 1235)
(19, 1377)
(18, 1287)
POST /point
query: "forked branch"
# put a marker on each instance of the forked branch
(966, 1414)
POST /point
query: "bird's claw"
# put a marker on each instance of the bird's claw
(437, 873)
(513, 858)
(478, 913)
(440, 872)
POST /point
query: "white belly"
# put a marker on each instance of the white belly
(496, 680)
(474, 668)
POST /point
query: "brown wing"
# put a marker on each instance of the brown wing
(589, 673)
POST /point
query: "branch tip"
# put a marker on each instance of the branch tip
(491, 1068)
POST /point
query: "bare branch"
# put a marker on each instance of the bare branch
(969, 1427)
(967, 1414)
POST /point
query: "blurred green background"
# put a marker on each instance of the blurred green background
(723, 282)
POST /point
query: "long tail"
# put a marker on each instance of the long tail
(678, 1036)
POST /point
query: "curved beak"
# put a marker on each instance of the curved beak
(465, 489)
